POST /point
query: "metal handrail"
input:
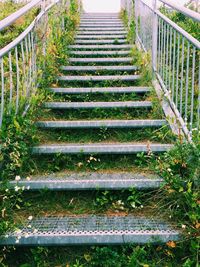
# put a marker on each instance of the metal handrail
(184, 10)
(175, 58)
(19, 13)
(19, 62)
(18, 39)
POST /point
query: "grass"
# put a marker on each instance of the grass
(82, 163)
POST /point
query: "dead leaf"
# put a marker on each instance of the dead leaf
(197, 226)
(171, 244)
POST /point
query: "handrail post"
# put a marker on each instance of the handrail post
(154, 36)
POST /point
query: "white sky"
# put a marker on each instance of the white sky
(110, 5)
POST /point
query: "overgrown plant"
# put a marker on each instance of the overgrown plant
(18, 133)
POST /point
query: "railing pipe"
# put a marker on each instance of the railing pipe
(14, 16)
(186, 11)
(175, 59)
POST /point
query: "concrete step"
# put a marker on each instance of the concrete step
(99, 47)
(89, 90)
(95, 36)
(99, 68)
(107, 41)
(100, 148)
(100, 53)
(90, 181)
(90, 230)
(88, 124)
(91, 105)
(102, 60)
(102, 33)
(96, 78)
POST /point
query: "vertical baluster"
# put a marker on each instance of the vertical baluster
(174, 66)
(18, 82)
(192, 95)
(182, 72)
(161, 51)
(23, 69)
(164, 49)
(27, 67)
(2, 91)
(177, 71)
(159, 37)
(198, 103)
(167, 57)
(30, 63)
(170, 61)
(33, 58)
(187, 83)
(11, 80)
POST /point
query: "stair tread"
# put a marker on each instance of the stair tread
(101, 123)
(122, 32)
(101, 23)
(98, 68)
(89, 60)
(90, 180)
(101, 19)
(95, 36)
(90, 229)
(122, 46)
(95, 29)
(86, 90)
(99, 78)
(101, 148)
(107, 41)
(126, 52)
(78, 105)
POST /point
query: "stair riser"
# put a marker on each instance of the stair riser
(88, 37)
(116, 90)
(92, 105)
(118, 41)
(93, 239)
(100, 53)
(99, 68)
(99, 149)
(110, 78)
(90, 185)
(100, 124)
(100, 47)
(102, 33)
(101, 24)
(101, 60)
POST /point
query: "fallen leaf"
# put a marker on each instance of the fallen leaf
(197, 226)
(171, 244)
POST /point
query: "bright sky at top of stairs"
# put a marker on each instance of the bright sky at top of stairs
(112, 5)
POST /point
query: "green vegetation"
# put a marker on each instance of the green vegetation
(189, 25)
(178, 201)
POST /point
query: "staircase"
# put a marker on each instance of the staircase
(99, 67)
